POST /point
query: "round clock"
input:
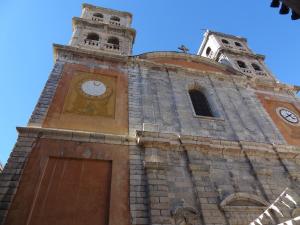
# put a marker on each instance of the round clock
(93, 88)
(288, 115)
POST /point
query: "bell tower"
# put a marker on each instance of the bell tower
(234, 51)
(103, 30)
(70, 164)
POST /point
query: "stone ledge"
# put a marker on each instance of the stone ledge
(176, 142)
(76, 135)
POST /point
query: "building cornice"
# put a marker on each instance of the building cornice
(71, 135)
(77, 21)
(66, 53)
(177, 142)
(112, 11)
(242, 53)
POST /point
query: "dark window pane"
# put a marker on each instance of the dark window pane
(200, 103)
(225, 41)
(241, 64)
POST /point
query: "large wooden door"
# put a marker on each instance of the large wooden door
(73, 191)
(72, 183)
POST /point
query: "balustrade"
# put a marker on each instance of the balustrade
(97, 19)
(90, 42)
(112, 47)
(114, 23)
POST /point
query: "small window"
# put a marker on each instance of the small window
(238, 44)
(113, 40)
(208, 50)
(115, 18)
(256, 67)
(93, 36)
(241, 64)
(99, 15)
(225, 41)
(200, 103)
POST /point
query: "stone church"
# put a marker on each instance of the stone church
(158, 138)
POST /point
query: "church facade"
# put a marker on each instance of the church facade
(157, 138)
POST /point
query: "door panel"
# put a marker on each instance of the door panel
(73, 191)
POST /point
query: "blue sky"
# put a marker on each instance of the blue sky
(28, 29)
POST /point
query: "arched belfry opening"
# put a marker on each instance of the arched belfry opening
(113, 40)
(113, 43)
(200, 103)
(256, 67)
(115, 18)
(99, 15)
(93, 36)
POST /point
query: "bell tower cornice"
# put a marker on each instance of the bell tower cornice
(130, 32)
(119, 13)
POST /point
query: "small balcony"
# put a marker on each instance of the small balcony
(92, 43)
(97, 19)
(116, 23)
(246, 71)
(261, 73)
(112, 47)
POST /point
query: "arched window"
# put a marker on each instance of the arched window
(200, 103)
(113, 40)
(99, 15)
(208, 50)
(115, 18)
(93, 36)
(256, 67)
(241, 64)
(238, 44)
(225, 41)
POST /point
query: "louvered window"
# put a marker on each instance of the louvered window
(200, 103)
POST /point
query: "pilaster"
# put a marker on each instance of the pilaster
(156, 171)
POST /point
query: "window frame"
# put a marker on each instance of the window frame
(241, 67)
(225, 41)
(214, 111)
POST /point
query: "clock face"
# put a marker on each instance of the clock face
(288, 115)
(93, 88)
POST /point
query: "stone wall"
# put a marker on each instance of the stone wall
(13, 170)
(215, 182)
(158, 99)
(41, 109)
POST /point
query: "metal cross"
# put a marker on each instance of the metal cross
(183, 49)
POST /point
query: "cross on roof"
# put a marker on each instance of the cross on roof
(183, 49)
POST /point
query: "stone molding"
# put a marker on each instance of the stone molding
(66, 53)
(175, 142)
(60, 134)
(246, 197)
(128, 32)
(120, 13)
(237, 52)
(155, 165)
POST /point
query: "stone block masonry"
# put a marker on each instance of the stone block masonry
(224, 182)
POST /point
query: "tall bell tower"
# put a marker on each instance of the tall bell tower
(70, 164)
(103, 30)
(234, 51)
